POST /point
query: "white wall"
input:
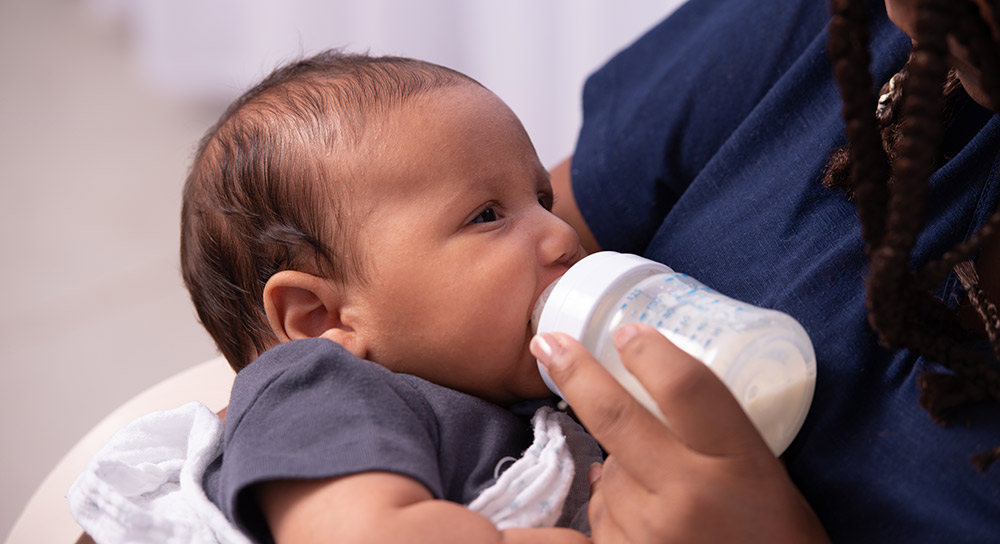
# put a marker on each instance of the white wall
(101, 103)
(533, 53)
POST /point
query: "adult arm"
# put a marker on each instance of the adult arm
(382, 507)
(708, 477)
(565, 206)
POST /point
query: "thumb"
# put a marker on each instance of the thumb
(698, 407)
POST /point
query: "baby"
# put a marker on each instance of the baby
(372, 234)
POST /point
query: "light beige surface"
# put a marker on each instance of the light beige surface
(45, 518)
(93, 310)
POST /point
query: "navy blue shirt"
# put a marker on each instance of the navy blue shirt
(703, 146)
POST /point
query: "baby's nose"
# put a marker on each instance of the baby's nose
(559, 244)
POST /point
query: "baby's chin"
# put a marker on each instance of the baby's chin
(529, 388)
(536, 389)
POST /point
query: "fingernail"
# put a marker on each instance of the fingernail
(545, 348)
(624, 334)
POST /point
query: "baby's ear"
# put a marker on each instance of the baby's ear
(301, 305)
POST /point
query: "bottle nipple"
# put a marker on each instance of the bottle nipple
(536, 313)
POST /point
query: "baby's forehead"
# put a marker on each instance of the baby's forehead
(367, 154)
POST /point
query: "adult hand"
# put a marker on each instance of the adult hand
(707, 477)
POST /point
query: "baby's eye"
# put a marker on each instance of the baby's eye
(546, 201)
(488, 215)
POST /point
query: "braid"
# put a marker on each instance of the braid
(934, 272)
(906, 129)
(868, 165)
(987, 311)
(890, 285)
(975, 35)
(837, 174)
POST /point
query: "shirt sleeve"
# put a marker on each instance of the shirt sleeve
(658, 112)
(308, 409)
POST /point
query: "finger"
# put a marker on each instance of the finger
(631, 507)
(618, 422)
(603, 525)
(699, 409)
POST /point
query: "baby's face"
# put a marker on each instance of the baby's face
(459, 242)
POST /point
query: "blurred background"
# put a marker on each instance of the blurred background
(101, 105)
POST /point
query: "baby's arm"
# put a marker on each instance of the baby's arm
(379, 507)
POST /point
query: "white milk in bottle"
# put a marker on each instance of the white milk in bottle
(763, 356)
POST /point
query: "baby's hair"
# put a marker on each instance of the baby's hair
(269, 189)
(893, 148)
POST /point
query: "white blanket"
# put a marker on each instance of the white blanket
(145, 484)
(532, 491)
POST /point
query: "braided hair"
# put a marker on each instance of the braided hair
(893, 148)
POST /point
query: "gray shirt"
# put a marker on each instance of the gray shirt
(309, 409)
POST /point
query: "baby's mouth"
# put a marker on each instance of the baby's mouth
(536, 312)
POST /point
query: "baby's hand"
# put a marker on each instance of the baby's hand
(707, 477)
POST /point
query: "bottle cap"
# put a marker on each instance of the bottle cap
(574, 297)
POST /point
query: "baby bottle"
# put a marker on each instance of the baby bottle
(763, 356)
